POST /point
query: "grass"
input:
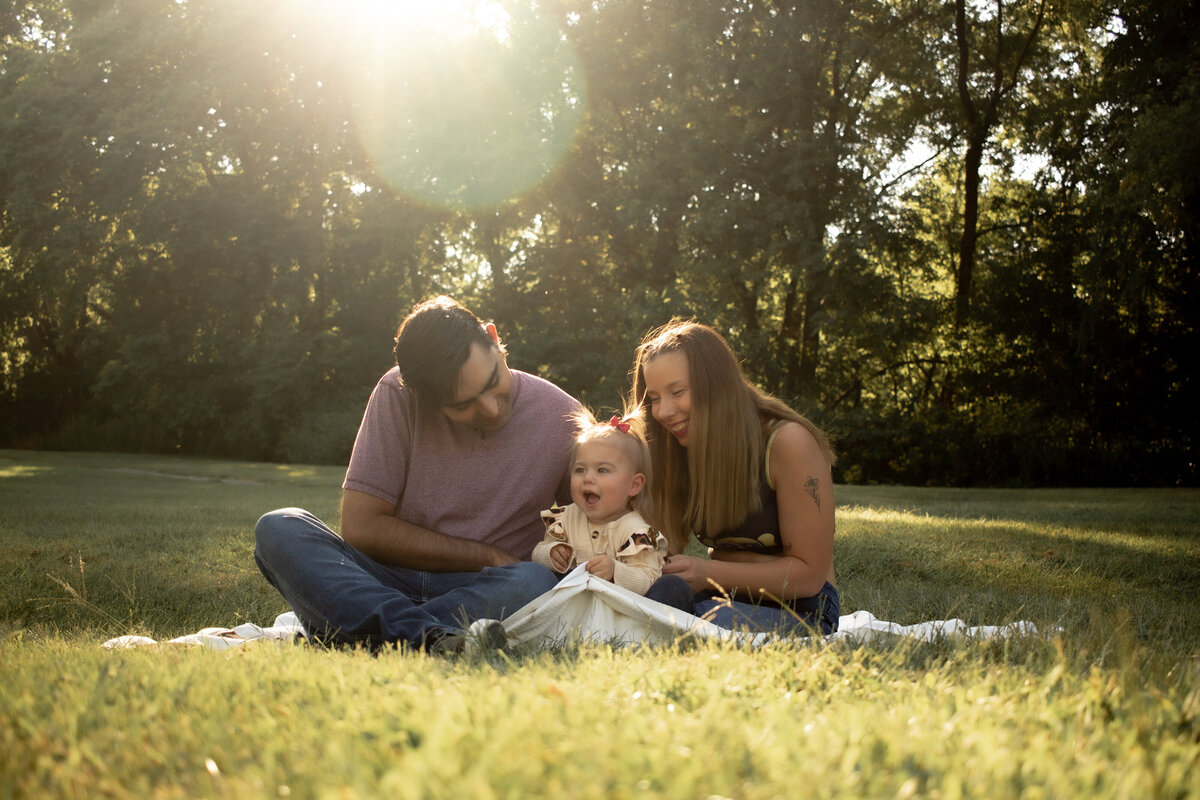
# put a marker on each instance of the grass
(111, 544)
(1106, 702)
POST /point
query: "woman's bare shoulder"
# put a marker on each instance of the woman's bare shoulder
(796, 446)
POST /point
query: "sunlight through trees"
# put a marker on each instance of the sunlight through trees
(214, 214)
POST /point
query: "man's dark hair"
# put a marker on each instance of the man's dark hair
(433, 343)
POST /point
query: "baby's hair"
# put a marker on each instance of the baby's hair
(626, 431)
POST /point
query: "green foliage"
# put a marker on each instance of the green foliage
(967, 247)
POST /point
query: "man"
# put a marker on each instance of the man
(455, 458)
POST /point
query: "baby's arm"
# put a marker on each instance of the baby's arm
(640, 561)
(554, 554)
(554, 551)
(562, 557)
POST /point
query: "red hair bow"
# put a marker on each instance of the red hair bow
(616, 423)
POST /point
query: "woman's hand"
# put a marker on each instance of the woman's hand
(602, 567)
(693, 570)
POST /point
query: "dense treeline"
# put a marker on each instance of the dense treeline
(961, 236)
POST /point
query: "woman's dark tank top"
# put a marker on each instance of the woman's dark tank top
(759, 532)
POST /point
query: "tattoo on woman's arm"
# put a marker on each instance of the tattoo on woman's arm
(812, 486)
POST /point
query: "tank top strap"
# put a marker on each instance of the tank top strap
(773, 430)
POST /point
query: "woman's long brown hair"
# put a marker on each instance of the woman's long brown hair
(713, 484)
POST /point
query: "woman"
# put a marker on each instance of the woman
(748, 476)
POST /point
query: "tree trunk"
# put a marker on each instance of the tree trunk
(970, 232)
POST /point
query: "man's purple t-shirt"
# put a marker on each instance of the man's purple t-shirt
(450, 478)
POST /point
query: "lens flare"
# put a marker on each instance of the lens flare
(468, 107)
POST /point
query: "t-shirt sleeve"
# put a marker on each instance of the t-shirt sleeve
(379, 460)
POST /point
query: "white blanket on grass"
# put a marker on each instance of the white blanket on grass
(585, 608)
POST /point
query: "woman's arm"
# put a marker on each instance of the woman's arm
(804, 487)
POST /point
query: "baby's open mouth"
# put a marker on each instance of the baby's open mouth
(591, 498)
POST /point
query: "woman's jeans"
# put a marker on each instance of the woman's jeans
(820, 612)
(344, 597)
(817, 613)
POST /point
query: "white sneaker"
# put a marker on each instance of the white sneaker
(485, 636)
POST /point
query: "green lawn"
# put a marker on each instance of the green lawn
(1105, 702)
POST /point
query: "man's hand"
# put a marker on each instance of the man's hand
(560, 557)
(602, 567)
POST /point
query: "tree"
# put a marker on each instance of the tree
(176, 180)
(206, 239)
(994, 56)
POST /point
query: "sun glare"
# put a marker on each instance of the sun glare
(461, 104)
(447, 18)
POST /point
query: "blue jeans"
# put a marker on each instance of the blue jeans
(342, 596)
(673, 591)
(802, 616)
